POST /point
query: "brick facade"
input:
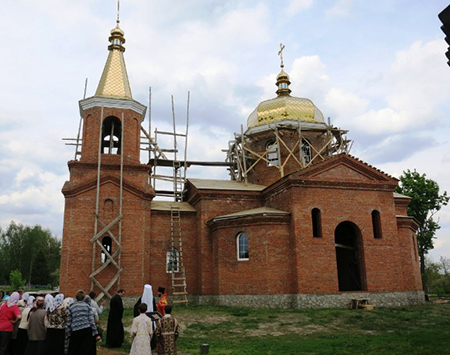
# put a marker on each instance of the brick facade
(317, 235)
(284, 256)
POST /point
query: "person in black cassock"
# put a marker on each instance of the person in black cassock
(114, 332)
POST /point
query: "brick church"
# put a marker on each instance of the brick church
(300, 223)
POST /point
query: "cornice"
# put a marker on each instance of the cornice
(408, 222)
(71, 191)
(123, 104)
(91, 166)
(249, 220)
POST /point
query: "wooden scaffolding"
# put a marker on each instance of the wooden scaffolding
(242, 159)
(173, 180)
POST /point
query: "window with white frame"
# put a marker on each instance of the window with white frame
(172, 261)
(242, 246)
(272, 153)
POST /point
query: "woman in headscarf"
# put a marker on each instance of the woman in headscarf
(36, 329)
(9, 315)
(14, 344)
(22, 334)
(56, 322)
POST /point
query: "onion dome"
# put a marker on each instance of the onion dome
(284, 107)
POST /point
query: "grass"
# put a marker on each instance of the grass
(423, 330)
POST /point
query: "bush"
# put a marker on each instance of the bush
(16, 280)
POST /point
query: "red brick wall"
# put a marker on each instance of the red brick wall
(213, 204)
(160, 243)
(131, 133)
(383, 260)
(80, 206)
(269, 269)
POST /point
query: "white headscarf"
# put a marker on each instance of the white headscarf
(13, 299)
(30, 302)
(67, 302)
(147, 297)
(26, 296)
(49, 303)
(59, 299)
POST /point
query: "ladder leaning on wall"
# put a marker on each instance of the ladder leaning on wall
(168, 158)
(179, 285)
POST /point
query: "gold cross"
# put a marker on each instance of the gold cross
(118, 11)
(280, 53)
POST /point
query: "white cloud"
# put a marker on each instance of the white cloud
(419, 78)
(346, 104)
(340, 8)
(296, 6)
(308, 77)
(416, 84)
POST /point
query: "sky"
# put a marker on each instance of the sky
(376, 68)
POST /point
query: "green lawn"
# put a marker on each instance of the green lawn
(405, 330)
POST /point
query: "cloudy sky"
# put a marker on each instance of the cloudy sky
(377, 68)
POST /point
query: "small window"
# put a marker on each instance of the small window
(107, 244)
(272, 153)
(306, 152)
(316, 223)
(242, 246)
(172, 261)
(376, 224)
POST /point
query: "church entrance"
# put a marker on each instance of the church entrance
(348, 260)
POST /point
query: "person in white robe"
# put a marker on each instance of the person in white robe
(141, 332)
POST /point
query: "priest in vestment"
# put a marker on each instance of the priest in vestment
(114, 331)
(163, 300)
(167, 331)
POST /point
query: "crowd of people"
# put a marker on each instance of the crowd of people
(63, 325)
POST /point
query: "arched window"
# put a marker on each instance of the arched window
(107, 244)
(376, 224)
(316, 223)
(172, 261)
(306, 152)
(111, 135)
(272, 153)
(242, 246)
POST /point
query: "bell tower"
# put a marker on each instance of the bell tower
(108, 195)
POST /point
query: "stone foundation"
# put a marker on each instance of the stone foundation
(340, 300)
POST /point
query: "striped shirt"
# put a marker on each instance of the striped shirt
(80, 317)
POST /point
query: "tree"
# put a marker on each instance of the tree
(425, 202)
(437, 276)
(33, 251)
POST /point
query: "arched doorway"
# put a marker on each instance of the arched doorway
(348, 260)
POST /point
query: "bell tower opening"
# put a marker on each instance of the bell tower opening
(348, 258)
(111, 135)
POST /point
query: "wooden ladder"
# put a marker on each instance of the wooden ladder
(179, 285)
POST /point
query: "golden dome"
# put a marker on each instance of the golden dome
(117, 31)
(284, 108)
